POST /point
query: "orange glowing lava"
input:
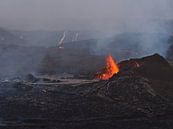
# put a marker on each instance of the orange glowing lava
(110, 69)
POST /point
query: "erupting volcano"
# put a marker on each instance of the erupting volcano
(110, 69)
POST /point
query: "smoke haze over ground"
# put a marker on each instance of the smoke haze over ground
(107, 17)
(139, 26)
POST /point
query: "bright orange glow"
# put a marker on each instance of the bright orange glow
(110, 69)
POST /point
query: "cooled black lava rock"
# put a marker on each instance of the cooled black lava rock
(31, 78)
(134, 98)
(153, 67)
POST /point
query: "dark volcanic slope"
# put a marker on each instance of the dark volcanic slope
(76, 60)
(156, 69)
(131, 99)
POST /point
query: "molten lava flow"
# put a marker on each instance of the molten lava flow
(110, 69)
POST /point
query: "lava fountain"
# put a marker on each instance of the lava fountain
(110, 69)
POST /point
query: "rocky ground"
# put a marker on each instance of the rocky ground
(140, 96)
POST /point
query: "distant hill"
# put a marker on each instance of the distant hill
(8, 38)
(53, 38)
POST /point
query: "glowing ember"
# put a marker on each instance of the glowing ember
(110, 69)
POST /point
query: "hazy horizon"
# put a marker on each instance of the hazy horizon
(98, 15)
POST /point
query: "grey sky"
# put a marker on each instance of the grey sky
(82, 14)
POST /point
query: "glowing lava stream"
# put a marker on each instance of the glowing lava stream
(75, 37)
(62, 39)
(110, 69)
